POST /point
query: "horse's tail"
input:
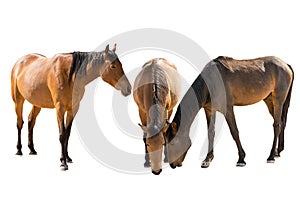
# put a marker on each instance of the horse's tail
(288, 99)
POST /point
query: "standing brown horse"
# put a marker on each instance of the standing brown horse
(224, 83)
(59, 82)
(156, 92)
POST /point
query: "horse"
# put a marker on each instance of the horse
(156, 92)
(223, 84)
(59, 82)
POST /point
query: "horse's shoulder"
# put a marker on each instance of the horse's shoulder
(60, 65)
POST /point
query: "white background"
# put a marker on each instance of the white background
(234, 28)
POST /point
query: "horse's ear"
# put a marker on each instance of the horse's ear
(144, 128)
(106, 49)
(114, 48)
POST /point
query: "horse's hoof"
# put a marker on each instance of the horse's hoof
(166, 160)
(33, 153)
(271, 161)
(205, 164)
(147, 164)
(69, 160)
(19, 153)
(277, 153)
(241, 164)
(64, 167)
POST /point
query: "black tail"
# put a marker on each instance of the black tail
(284, 116)
(288, 98)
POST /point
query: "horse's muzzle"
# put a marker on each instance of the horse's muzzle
(156, 172)
(174, 165)
(126, 91)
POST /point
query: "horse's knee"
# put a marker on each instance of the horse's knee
(20, 123)
(277, 127)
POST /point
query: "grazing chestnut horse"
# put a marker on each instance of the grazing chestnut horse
(59, 82)
(156, 92)
(224, 83)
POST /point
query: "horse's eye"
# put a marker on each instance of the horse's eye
(113, 66)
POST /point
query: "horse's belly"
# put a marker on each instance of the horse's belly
(44, 101)
(247, 96)
(40, 97)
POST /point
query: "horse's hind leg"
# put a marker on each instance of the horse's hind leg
(31, 122)
(169, 113)
(230, 118)
(143, 118)
(281, 135)
(211, 118)
(269, 103)
(277, 106)
(19, 101)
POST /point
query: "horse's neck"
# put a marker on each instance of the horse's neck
(195, 98)
(92, 73)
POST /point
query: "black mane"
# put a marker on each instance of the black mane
(80, 61)
(160, 90)
(193, 100)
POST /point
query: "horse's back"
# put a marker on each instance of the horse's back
(24, 62)
(167, 78)
(172, 78)
(248, 81)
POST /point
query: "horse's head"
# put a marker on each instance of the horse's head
(113, 72)
(177, 145)
(154, 141)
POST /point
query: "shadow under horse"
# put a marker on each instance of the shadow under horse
(59, 82)
(224, 83)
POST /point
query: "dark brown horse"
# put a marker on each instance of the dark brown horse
(156, 92)
(225, 83)
(59, 82)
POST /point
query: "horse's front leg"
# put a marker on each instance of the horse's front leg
(69, 121)
(211, 119)
(230, 118)
(147, 158)
(60, 113)
(143, 118)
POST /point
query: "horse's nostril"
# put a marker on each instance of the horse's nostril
(129, 89)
